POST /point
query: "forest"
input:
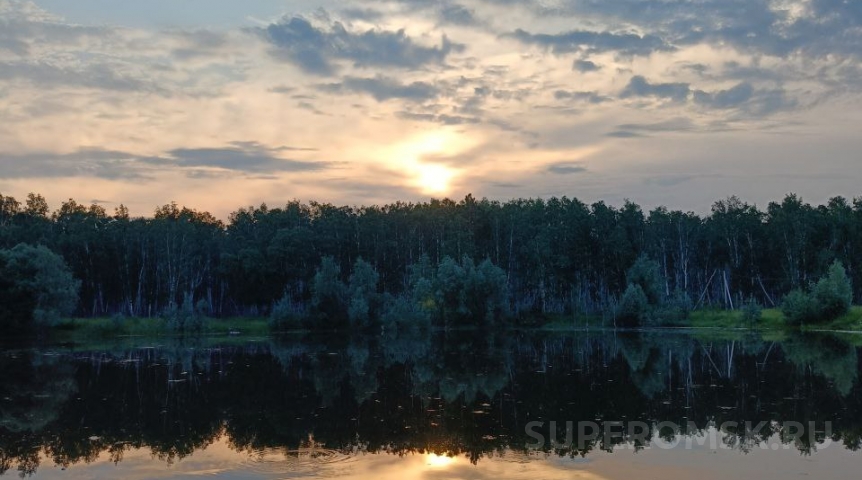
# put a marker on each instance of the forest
(441, 262)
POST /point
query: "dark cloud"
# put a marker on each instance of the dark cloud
(679, 124)
(623, 134)
(670, 180)
(585, 66)
(639, 87)
(383, 88)
(248, 157)
(89, 162)
(729, 98)
(367, 14)
(591, 97)
(239, 156)
(628, 44)
(566, 168)
(455, 14)
(438, 118)
(318, 49)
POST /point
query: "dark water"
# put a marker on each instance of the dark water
(456, 405)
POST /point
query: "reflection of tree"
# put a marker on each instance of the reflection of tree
(827, 355)
(456, 392)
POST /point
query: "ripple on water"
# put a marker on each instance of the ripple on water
(319, 462)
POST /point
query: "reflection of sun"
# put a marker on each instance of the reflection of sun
(438, 461)
(433, 178)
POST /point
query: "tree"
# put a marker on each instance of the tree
(363, 293)
(37, 287)
(328, 294)
(829, 299)
(645, 274)
(833, 294)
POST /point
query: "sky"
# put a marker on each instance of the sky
(221, 104)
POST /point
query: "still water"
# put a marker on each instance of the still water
(453, 405)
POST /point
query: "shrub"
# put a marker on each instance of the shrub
(675, 311)
(829, 299)
(798, 308)
(833, 294)
(36, 288)
(286, 315)
(634, 309)
(752, 312)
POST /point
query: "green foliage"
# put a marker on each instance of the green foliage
(286, 314)
(634, 308)
(328, 294)
(364, 298)
(675, 311)
(799, 308)
(185, 318)
(36, 288)
(833, 294)
(645, 274)
(829, 299)
(752, 312)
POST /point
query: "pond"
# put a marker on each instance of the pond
(600, 405)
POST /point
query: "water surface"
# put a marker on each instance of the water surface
(455, 405)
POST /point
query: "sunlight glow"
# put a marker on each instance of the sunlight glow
(438, 461)
(434, 178)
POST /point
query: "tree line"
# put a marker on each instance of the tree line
(470, 259)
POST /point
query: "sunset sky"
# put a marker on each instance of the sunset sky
(220, 104)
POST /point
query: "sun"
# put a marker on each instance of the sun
(438, 461)
(432, 178)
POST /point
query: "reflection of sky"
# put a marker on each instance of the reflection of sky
(678, 103)
(220, 461)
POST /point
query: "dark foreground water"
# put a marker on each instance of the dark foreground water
(462, 405)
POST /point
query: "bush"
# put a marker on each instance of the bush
(675, 311)
(752, 312)
(185, 318)
(36, 288)
(634, 309)
(286, 315)
(798, 308)
(833, 294)
(829, 299)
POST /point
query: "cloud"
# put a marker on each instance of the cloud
(383, 88)
(732, 97)
(92, 162)
(623, 134)
(199, 43)
(239, 156)
(250, 157)
(566, 168)
(583, 41)
(317, 50)
(585, 66)
(438, 118)
(101, 76)
(455, 14)
(591, 97)
(639, 87)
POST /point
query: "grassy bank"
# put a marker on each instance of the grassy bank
(772, 320)
(81, 329)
